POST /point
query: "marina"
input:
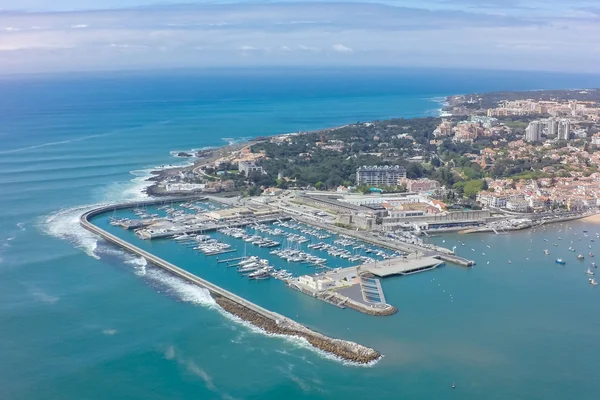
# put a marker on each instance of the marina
(265, 319)
(261, 244)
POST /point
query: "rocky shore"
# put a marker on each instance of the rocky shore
(343, 349)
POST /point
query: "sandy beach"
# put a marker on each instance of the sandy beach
(593, 218)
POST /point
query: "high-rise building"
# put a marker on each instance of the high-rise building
(533, 133)
(552, 127)
(564, 129)
(380, 176)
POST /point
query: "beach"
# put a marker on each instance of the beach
(595, 218)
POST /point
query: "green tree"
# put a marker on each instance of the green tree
(473, 187)
(319, 185)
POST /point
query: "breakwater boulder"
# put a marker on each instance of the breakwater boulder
(343, 349)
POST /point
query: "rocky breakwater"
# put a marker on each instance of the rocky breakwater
(343, 349)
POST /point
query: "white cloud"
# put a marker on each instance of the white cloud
(306, 34)
(340, 48)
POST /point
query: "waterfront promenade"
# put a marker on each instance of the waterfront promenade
(269, 321)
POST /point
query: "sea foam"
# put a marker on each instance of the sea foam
(64, 224)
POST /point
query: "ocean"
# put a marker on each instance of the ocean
(81, 319)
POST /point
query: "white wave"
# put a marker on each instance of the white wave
(295, 341)
(138, 261)
(185, 291)
(64, 224)
(109, 332)
(21, 226)
(191, 293)
(10, 238)
(139, 264)
(135, 188)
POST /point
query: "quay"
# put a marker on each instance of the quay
(440, 253)
(269, 321)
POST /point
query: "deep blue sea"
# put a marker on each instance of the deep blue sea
(79, 320)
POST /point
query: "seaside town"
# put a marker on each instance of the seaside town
(491, 162)
(333, 212)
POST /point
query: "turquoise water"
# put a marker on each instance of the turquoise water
(79, 319)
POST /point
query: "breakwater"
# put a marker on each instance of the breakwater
(267, 320)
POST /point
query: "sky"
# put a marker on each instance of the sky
(74, 35)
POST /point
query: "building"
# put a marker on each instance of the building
(492, 199)
(380, 175)
(247, 167)
(596, 139)
(420, 185)
(533, 133)
(552, 127)
(316, 283)
(564, 129)
(517, 204)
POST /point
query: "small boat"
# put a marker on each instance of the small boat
(483, 254)
(591, 254)
(510, 262)
(580, 257)
(546, 252)
(593, 282)
(571, 249)
(589, 272)
(545, 240)
(453, 385)
(560, 261)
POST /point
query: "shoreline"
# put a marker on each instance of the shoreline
(260, 317)
(594, 218)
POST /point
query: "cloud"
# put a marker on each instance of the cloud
(340, 48)
(424, 33)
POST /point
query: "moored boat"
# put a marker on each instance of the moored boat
(560, 261)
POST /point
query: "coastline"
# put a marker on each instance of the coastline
(594, 218)
(266, 320)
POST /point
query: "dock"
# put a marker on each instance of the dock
(269, 321)
(440, 253)
(231, 259)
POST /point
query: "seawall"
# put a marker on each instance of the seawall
(267, 320)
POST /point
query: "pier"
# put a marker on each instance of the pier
(440, 253)
(269, 321)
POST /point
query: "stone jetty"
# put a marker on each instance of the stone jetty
(267, 320)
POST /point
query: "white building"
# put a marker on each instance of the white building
(247, 168)
(533, 133)
(317, 283)
(552, 127)
(564, 129)
(380, 175)
(596, 139)
(517, 204)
